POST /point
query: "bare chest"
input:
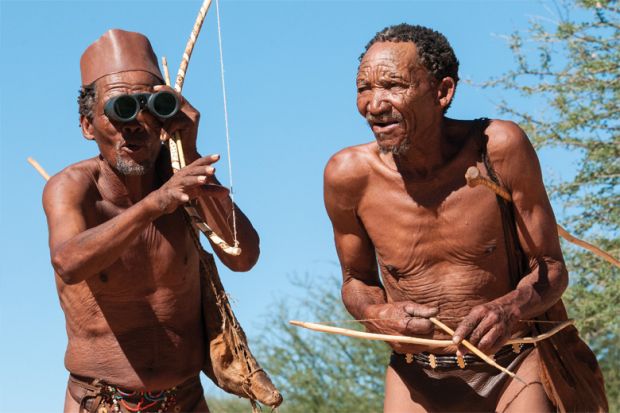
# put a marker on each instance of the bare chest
(416, 227)
(162, 256)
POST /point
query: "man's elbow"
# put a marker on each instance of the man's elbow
(63, 269)
(553, 276)
(562, 277)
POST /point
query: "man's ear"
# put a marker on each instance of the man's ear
(445, 91)
(88, 130)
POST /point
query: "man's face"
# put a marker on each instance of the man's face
(130, 147)
(395, 94)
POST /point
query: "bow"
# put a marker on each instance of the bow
(175, 146)
(322, 328)
(432, 342)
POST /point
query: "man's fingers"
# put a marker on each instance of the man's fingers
(466, 327)
(183, 197)
(494, 340)
(205, 160)
(416, 326)
(481, 330)
(419, 310)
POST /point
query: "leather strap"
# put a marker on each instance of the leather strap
(86, 392)
(517, 265)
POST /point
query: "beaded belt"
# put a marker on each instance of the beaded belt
(449, 362)
(97, 396)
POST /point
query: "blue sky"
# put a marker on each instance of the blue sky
(290, 70)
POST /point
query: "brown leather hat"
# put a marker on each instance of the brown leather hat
(118, 51)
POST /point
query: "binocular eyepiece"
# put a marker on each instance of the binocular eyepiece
(125, 108)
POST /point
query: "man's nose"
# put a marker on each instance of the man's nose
(378, 104)
(131, 127)
(135, 125)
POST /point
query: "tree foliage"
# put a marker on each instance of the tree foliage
(228, 404)
(569, 66)
(318, 372)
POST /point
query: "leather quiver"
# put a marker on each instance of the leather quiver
(229, 362)
(569, 370)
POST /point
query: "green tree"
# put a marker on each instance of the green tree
(569, 65)
(317, 372)
(228, 404)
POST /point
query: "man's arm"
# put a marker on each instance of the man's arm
(215, 206)
(514, 159)
(362, 292)
(218, 214)
(79, 252)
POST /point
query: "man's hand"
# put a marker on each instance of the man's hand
(190, 182)
(185, 122)
(487, 326)
(402, 318)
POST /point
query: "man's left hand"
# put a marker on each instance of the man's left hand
(487, 326)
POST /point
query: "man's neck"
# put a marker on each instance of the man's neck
(139, 186)
(429, 152)
(128, 189)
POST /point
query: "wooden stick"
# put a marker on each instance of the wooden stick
(176, 154)
(475, 350)
(372, 336)
(407, 340)
(474, 178)
(39, 168)
(543, 336)
(189, 48)
(586, 245)
(164, 63)
(233, 250)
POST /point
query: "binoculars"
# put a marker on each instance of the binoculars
(125, 108)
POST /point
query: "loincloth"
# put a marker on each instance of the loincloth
(96, 396)
(449, 388)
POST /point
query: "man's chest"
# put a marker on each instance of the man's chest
(416, 226)
(163, 254)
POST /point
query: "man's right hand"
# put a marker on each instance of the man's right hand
(401, 318)
(197, 178)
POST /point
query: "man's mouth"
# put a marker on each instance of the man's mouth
(384, 126)
(131, 147)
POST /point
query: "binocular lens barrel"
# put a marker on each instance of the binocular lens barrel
(125, 108)
(163, 104)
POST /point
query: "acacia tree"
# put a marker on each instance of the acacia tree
(318, 372)
(571, 63)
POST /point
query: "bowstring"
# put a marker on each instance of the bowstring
(228, 151)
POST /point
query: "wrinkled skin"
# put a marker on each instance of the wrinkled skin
(127, 270)
(403, 202)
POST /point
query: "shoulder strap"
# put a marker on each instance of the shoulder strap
(517, 265)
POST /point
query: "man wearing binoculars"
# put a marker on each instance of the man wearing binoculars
(126, 266)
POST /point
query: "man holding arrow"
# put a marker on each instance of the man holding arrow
(402, 213)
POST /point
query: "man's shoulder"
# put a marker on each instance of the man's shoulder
(77, 178)
(505, 137)
(510, 151)
(349, 167)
